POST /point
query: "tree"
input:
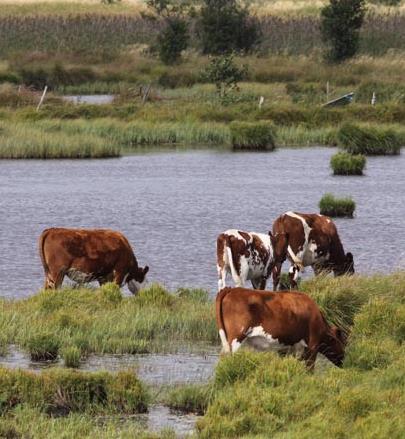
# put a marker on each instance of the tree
(226, 26)
(225, 74)
(174, 37)
(341, 21)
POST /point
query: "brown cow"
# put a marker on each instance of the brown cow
(89, 255)
(313, 241)
(248, 256)
(266, 319)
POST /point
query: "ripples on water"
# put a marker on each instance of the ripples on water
(172, 205)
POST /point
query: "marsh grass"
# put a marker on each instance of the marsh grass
(71, 356)
(61, 391)
(190, 398)
(369, 140)
(28, 141)
(264, 394)
(252, 136)
(336, 207)
(344, 163)
(102, 321)
(43, 347)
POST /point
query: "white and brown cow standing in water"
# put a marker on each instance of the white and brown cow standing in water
(313, 241)
(248, 256)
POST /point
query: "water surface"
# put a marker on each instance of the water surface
(172, 205)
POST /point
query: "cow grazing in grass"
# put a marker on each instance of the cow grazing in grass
(89, 255)
(313, 241)
(248, 256)
(269, 320)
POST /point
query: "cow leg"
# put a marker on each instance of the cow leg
(221, 277)
(276, 276)
(309, 356)
(54, 279)
(293, 275)
(105, 279)
(259, 283)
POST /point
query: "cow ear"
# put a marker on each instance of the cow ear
(145, 270)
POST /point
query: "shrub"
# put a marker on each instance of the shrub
(344, 163)
(246, 135)
(190, 398)
(341, 21)
(43, 347)
(173, 40)
(224, 73)
(335, 207)
(226, 26)
(369, 141)
(71, 356)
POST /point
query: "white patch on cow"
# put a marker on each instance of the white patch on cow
(259, 339)
(235, 345)
(79, 276)
(225, 345)
(134, 286)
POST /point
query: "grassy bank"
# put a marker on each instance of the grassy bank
(251, 394)
(263, 394)
(102, 321)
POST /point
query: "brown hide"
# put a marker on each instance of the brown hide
(102, 255)
(289, 317)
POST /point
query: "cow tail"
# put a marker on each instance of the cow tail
(41, 250)
(220, 320)
(234, 273)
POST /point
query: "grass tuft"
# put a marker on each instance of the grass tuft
(344, 163)
(252, 136)
(43, 347)
(71, 356)
(336, 207)
(369, 140)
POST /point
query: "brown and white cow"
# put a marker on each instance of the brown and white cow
(313, 241)
(89, 255)
(269, 320)
(248, 256)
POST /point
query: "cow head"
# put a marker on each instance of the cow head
(279, 242)
(136, 279)
(347, 267)
(333, 346)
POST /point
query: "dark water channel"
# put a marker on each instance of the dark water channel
(172, 205)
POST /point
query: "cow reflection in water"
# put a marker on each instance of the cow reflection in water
(89, 255)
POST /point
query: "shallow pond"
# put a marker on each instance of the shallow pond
(89, 99)
(153, 369)
(172, 205)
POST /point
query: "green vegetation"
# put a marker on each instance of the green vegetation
(61, 391)
(103, 321)
(43, 347)
(256, 136)
(190, 398)
(335, 207)
(71, 356)
(341, 21)
(344, 163)
(264, 394)
(250, 394)
(369, 140)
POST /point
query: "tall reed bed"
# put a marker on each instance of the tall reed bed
(104, 32)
